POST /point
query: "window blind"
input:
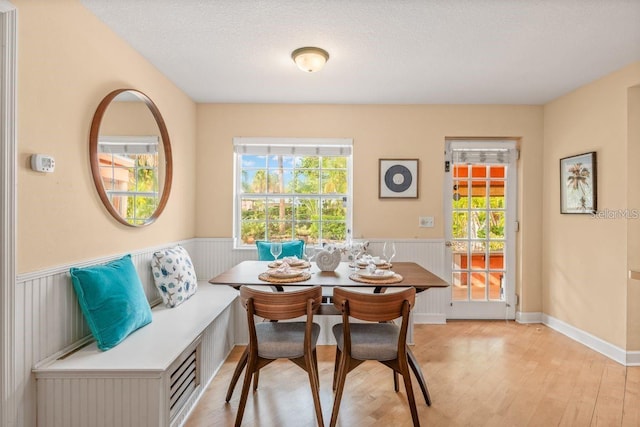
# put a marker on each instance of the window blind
(495, 152)
(293, 146)
(128, 144)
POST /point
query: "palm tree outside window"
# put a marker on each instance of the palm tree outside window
(292, 188)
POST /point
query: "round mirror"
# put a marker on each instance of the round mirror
(130, 157)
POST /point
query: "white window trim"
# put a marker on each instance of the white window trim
(275, 146)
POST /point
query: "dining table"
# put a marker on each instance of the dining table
(404, 274)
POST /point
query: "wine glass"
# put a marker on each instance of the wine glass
(355, 250)
(389, 251)
(276, 249)
(309, 252)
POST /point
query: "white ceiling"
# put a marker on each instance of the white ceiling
(382, 51)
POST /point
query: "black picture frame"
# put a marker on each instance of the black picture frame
(579, 184)
(398, 179)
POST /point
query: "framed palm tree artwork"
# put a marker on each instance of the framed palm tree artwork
(578, 184)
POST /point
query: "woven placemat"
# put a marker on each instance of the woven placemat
(297, 267)
(265, 277)
(396, 278)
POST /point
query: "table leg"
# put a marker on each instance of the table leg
(415, 367)
(236, 374)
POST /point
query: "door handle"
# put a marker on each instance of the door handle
(448, 244)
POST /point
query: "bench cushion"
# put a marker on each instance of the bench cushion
(112, 300)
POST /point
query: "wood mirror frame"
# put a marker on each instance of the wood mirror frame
(164, 187)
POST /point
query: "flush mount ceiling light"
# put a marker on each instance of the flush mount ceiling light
(310, 59)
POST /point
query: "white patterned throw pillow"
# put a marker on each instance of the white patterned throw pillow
(174, 275)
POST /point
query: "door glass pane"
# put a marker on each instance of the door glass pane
(460, 225)
(459, 286)
(479, 171)
(460, 256)
(478, 286)
(496, 224)
(460, 197)
(496, 256)
(495, 285)
(496, 191)
(478, 255)
(497, 171)
(479, 194)
(478, 225)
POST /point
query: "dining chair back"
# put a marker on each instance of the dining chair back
(271, 340)
(383, 340)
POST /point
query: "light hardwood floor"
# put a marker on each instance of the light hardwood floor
(480, 373)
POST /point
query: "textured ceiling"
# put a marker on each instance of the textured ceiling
(382, 51)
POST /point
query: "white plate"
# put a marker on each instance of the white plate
(365, 263)
(279, 275)
(385, 275)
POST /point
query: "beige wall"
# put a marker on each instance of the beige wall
(68, 61)
(633, 231)
(378, 131)
(584, 259)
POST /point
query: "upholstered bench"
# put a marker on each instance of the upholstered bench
(152, 378)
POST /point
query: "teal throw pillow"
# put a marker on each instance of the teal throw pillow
(291, 248)
(112, 300)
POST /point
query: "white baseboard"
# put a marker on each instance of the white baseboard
(611, 351)
(429, 318)
(528, 317)
(633, 358)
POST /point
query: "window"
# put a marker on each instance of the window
(129, 172)
(292, 188)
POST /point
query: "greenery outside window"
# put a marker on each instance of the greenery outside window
(129, 171)
(292, 188)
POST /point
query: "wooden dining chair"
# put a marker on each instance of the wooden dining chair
(383, 341)
(295, 340)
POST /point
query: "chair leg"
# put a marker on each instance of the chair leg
(336, 367)
(413, 363)
(410, 397)
(236, 374)
(395, 381)
(315, 365)
(342, 375)
(251, 364)
(256, 377)
(312, 370)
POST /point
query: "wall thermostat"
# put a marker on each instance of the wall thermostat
(42, 163)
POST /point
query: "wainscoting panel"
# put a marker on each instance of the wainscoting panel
(431, 304)
(49, 320)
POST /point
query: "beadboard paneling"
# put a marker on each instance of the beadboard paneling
(215, 255)
(49, 319)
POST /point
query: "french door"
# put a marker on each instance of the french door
(480, 225)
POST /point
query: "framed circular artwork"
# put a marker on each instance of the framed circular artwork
(398, 178)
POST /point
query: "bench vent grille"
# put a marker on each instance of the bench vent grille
(184, 380)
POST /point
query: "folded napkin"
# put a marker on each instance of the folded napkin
(283, 269)
(367, 259)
